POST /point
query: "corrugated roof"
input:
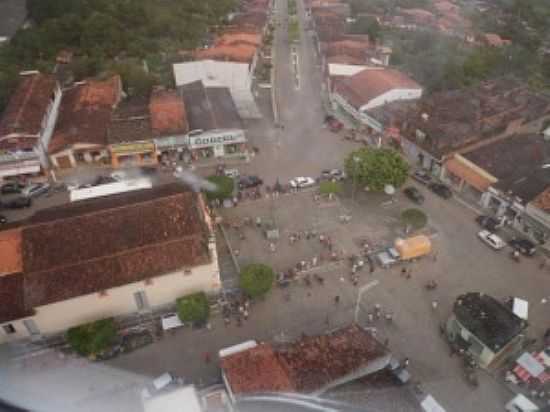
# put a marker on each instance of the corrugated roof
(130, 122)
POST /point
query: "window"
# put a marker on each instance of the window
(148, 281)
(141, 300)
(103, 293)
(8, 328)
(187, 272)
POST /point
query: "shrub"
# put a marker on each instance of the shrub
(92, 338)
(329, 187)
(224, 188)
(193, 308)
(415, 218)
(256, 279)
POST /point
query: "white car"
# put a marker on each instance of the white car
(233, 173)
(491, 239)
(301, 182)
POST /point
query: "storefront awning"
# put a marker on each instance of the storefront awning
(469, 174)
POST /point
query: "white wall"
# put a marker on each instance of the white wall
(48, 127)
(57, 317)
(392, 96)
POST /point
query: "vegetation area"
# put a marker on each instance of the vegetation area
(224, 188)
(193, 308)
(256, 279)
(367, 25)
(377, 168)
(93, 338)
(292, 7)
(386, 6)
(330, 188)
(293, 30)
(414, 218)
(440, 62)
(100, 31)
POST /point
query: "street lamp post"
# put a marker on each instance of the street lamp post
(362, 290)
(355, 162)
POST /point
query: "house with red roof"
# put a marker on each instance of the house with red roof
(370, 89)
(26, 125)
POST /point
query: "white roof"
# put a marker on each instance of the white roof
(521, 308)
(429, 404)
(522, 402)
(530, 364)
(235, 76)
(183, 399)
(249, 344)
(335, 69)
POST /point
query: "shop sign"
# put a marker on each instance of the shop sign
(203, 140)
(130, 148)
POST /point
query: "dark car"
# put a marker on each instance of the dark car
(247, 182)
(488, 222)
(11, 187)
(422, 176)
(524, 246)
(18, 203)
(414, 194)
(441, 190)
(3, 220)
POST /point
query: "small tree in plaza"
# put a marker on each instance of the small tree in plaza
(92, 338)
(414, 218)
(224, 188)
(256, 279)
(330, 188)
(193, 308)
(376, 168)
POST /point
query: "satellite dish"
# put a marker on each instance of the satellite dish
(389, 189)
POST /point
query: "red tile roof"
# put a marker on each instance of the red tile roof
(542, 201)
(234, 38)
(345, 59)
(94, 245)
(306, 365)
(12, 298)
(26, 109)
(241, 53)
(85, 113)
(366, 85)
(256, 370)
(168, 115)
(11, 259)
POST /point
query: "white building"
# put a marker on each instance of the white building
(370, 89)
(27, 124)
(105, 257)
(235, 76)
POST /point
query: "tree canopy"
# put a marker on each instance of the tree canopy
(92, 338)
(224, 187)
(193, 308)
(256, 279)
(377, 168)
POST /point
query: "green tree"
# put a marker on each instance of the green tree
(193, 308)
(224, 188)
(256, 279)
(367, 25)
(329, 188)
(102, 33)
(135, 80)
(377, 168)
(92, 338)
(414, 218)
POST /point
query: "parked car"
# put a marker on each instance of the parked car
(18, 203)
(333, 123)
(491, 239)
(488, 222)
(333, 174)
(441, 190)
(246, 182)
(524, 246)
(3, 220)
(301, 182)
(422, 176)
(233, 173)
(414, 194)
(11, 187)
(35, 190)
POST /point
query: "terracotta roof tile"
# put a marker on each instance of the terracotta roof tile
(10, 251)
(242, 53)
(542, 201)
(12, 298)
(168, 115)
(130, 122)
(103, 243)
(26, 109)
(361, 88)
(256, 370)
(234, 38)
(85, 113)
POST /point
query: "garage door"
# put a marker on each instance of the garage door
(64, 162)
